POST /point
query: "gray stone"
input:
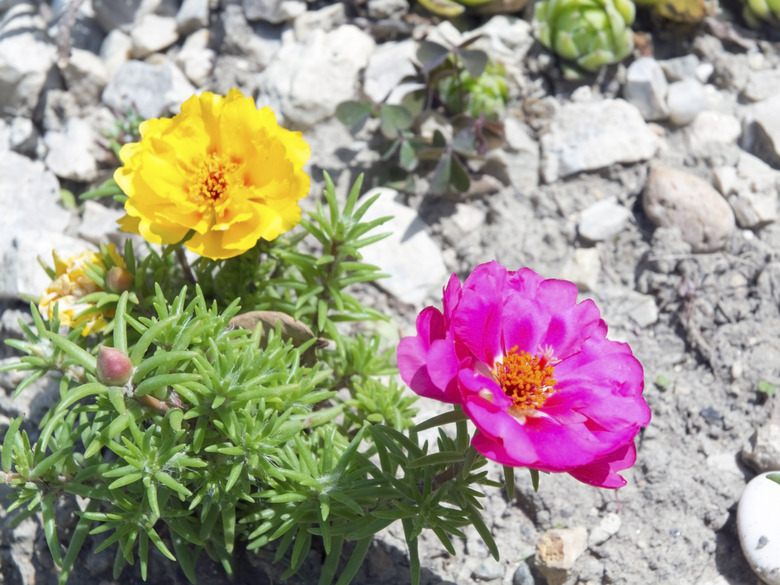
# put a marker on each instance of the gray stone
(488, 570)
(26, 60)
(674, 198)
(711, 132)
(273, 11)
(122, 14)
(603, 220)
(751, 189)
(193, 15)
(69, 153)
(326, 18)
(298, 84)
(23, 136)
(98, 222)
(392, 9)
(685, 99)
(196, 59)
(152, 90)
(766, 123)
(85, 77)
(388, 65)
(646, 88)
(762, 85)
(762, 451)
(259, 42)
(641, 309)
(583, 268)
(607, 527)
(592, 135)
(679, 68)
(523, 575)
(116, 50)
(409, 255)
(558, 550)
(153, 34)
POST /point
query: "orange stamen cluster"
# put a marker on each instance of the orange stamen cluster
(211, 182)
(526, 379)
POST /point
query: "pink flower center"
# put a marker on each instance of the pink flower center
(526, 379)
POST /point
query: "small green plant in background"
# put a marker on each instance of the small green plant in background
(125, 129)
(452, 115)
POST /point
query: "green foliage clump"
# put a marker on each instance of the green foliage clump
(276, 437)
(450, 117)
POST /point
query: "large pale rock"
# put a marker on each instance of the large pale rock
(122, 14)
(152, 90)
(70, 151)
(557, 551)
(646, 88)
(388, 65)
(762, 85)
(85, 77)
(766, 121)
(326, 18)
(592, 135)
(685, 99)
(758, 529)
(711, 132)
(193, 15)
(26, 59)
(196, 59)
(115, 51)
(273, 11)
(409, 255)
(300, 81)
(674, 198)
(31, 224)
(153, 34)
(751, 188)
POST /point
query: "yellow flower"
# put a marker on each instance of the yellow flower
(71, 284)
(222, 169)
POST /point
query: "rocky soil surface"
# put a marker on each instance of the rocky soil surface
(653, 186)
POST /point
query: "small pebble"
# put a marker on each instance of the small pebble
(488, 570)
(523, 575)
(685, 99)
(759, 529)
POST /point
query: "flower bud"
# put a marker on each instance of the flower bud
(114, 368)
(118, 279)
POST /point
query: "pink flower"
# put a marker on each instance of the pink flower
(534, 371)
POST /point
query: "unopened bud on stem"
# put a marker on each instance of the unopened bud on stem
(114, 368)
(118, 280)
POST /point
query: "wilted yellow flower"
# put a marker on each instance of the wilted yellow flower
(221, 168)
(71, 284)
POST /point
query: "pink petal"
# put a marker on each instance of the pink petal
(603, 472)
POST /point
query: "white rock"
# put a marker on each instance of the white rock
(388, 65)
(557, 551)
(196, 59)
(116, 50)
(85, 77)
(685, 99)
(583, 268)
(603, 220)
(593, 135)
(122, 14)
(751, 189)
(674, 198)
(152, 34)
(646, 88)
(640, 308)
(679, 68)
(712, 131)
(326, 18)
(151, 90)
(762, 84)
(468, 218)
(762, 452)
(193, 15)
(409, 255)
(766, 119)
(98, 222)
(607, 527)
(23, 136)
(299, 82)
(69, 153)
(25, 62)
(758, 528)
(394, 9)
(273, 11)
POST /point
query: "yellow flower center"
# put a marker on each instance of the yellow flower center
(212, 180)
(526, 379)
